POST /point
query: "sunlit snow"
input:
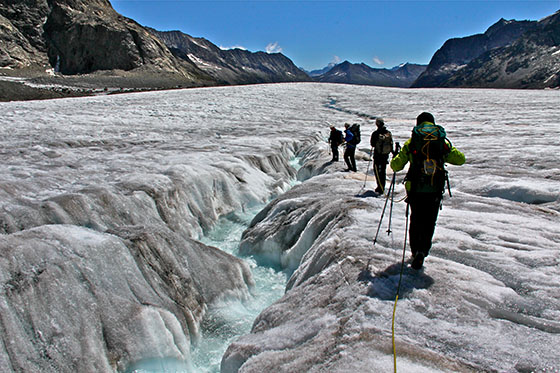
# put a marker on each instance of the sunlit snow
(103, 201)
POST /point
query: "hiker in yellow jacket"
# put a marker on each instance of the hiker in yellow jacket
(427, 151)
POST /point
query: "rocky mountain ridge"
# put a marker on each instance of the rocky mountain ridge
(458, 52)
(531, 61)
(81, 37)
(349, 73)
(231, 66)
(510, 54)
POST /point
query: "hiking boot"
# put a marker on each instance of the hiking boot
(379, 190)
(417, 261)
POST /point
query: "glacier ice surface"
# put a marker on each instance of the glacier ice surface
(104, 201)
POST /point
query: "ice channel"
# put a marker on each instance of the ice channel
(229, 318)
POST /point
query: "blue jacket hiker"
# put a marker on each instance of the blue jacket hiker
(350, 151)
(427, 151)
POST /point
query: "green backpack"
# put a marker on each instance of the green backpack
(428, 147)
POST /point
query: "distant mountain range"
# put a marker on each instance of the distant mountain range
(232, 66)
(87, 44)
(346, 72)
(510, 54)
(316, 73)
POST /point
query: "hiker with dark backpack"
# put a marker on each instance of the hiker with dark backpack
(335, 139)
(382, 145)
(427, 150)
(352, 138)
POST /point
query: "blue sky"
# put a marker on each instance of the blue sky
(313, 33)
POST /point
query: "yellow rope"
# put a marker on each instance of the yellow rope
(393, 334)
(398, 291)
(377, 179)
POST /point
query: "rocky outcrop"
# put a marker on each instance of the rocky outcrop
(348, 73)
(21, 33)
(85, 39)
(532, 61)
(458, 52)
(80, 37)
(232, 66)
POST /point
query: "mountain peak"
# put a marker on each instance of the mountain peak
(504, 26)
(349, 73)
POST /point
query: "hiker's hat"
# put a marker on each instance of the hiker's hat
(425, 117)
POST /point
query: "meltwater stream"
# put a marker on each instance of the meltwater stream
(228, 319)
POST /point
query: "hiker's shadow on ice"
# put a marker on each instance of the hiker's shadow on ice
(326, 165)
(367, 194)
(383, 284)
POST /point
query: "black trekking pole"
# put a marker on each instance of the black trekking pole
(392, 193)
(448, 186)
(384, 207)
(367, 169)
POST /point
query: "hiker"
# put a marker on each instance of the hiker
(427, 151)
(382, 144)
(335, 139)
(350, 150)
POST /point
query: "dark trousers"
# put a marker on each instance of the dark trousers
(424, 209)
(349, 157)
(380, 164)
(334, 153)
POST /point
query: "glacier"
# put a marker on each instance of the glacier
(106, 204)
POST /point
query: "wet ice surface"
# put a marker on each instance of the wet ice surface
(488, 298)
